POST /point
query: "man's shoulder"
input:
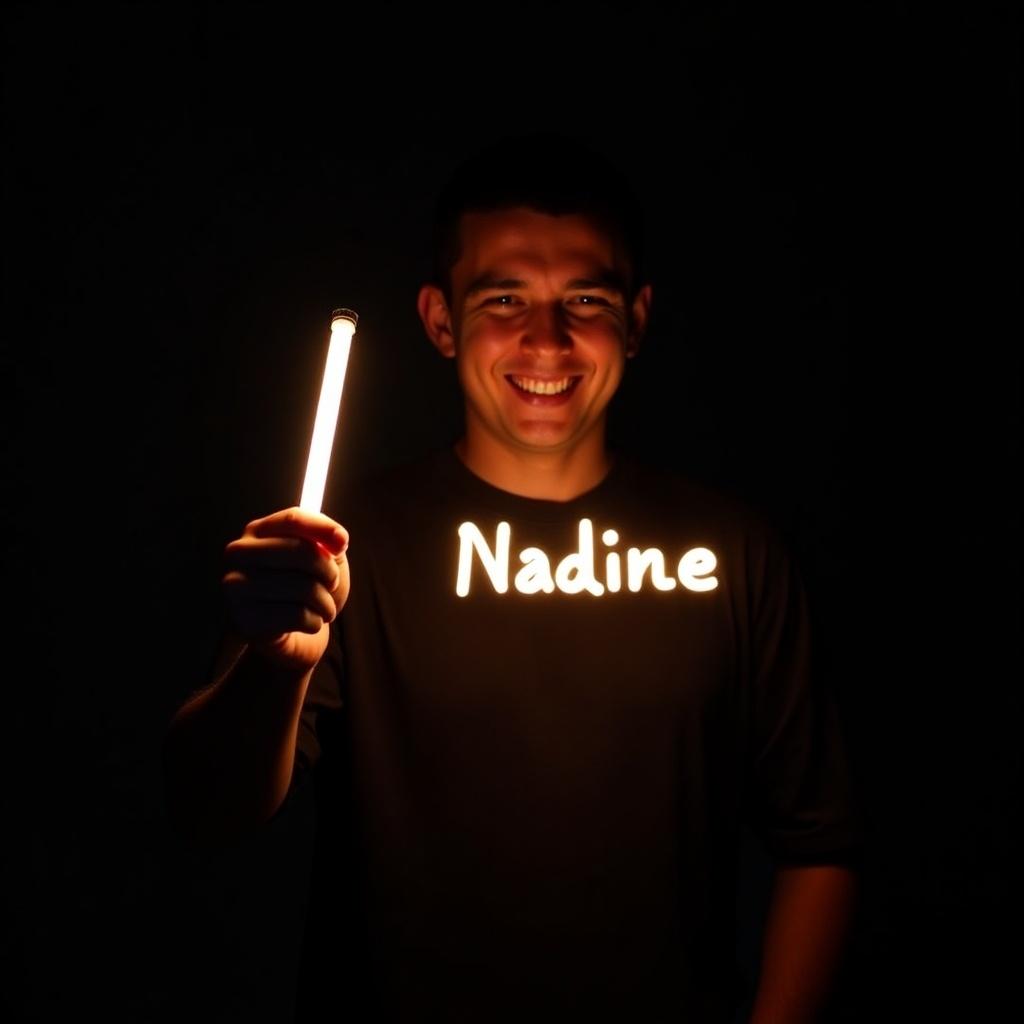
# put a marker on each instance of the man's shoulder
(383, 490)
(724, 516)
(417, 471)
(677, 489)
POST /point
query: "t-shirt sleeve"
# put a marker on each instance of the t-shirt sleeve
(798, 789)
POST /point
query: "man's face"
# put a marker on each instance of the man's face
(540, 328)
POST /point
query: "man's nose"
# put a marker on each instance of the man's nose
(547, 328)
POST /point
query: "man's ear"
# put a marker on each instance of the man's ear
(639, 314)
(437, 322)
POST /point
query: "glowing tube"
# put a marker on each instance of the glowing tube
(343, 326)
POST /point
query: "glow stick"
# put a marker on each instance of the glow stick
(343, 326)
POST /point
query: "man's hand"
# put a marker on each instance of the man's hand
(286, 579)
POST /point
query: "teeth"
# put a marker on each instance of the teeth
(543, 387)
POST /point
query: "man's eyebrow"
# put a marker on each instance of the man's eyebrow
(608, 279)
(487, 281)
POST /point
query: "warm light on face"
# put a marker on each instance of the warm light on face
(540, 329)
(343, 326)
(575, 573)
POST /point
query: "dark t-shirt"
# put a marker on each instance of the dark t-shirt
(532, 745)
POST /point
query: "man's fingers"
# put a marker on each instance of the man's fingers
(270, 620)
(285, 554)
(297, 522)
(287, 573)
(251, 589)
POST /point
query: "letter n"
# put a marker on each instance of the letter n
(495, 563)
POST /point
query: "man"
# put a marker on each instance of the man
(547, 683)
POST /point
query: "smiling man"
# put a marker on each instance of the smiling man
(540, 316)
(547, 684)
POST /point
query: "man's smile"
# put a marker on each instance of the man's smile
(543, 390)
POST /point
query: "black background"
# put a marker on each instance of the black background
(191, 190)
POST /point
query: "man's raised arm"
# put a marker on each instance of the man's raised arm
(229, 751)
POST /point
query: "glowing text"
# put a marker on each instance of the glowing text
(575, 573)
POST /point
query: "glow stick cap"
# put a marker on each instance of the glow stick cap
(345, 314)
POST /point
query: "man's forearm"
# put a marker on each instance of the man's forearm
(805, 935)
(229, 752)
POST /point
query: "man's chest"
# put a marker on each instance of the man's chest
(473, 617)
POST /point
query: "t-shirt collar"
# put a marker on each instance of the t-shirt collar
(454, 473)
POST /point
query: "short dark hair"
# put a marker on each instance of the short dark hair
(547, 172)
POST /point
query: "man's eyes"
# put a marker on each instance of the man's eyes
(588, 300)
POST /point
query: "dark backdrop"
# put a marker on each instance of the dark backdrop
(191, 190)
